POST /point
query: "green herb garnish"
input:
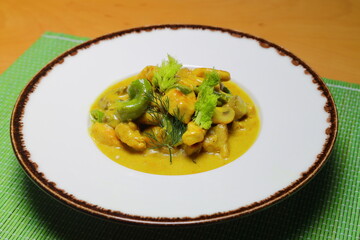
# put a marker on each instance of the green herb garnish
(173, 127)
(165, 75)
(207, 100)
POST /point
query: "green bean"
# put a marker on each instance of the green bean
(97, 115)
(224, 89)
(138, 100)
(223, 98)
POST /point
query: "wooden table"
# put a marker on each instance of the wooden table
(325, 34)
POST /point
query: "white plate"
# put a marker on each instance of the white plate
(49, 127)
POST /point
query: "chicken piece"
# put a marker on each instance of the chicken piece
(180, 104)
(156, 139)
(251, 111)
(239, 106)
(216, 140)
(238, 126)
(187, 78)
(245, 125)
(223, 115)
(104, 134)
(110, 118)
(149, 119)
(193, 149)
(147, 73)
(193, 134)
(154, 132)
(246, 122)
(128, 133)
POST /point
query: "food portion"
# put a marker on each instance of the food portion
(173, 120)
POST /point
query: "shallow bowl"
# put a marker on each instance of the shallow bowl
(49, 128)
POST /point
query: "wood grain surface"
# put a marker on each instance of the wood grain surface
(325, 34)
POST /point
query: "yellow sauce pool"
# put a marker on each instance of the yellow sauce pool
(154, 162)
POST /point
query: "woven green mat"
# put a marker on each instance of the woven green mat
(327, 208)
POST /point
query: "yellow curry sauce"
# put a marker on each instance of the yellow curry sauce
(241, 137)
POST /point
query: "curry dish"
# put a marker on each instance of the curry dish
(172, 120)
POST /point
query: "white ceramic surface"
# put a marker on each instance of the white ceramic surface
(293, 125)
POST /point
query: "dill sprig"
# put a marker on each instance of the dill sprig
(172, 125)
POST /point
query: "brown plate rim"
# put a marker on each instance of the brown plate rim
(40, 179)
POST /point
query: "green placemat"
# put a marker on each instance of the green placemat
(327, 208)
